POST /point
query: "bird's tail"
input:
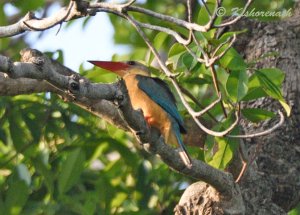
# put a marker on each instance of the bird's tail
(182, 149)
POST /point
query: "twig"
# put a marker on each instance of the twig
(218, 57)
(218, 133)
(220, 46)
(205, 109)
(237, 18)
(55, 22)
(200, 60)
(206, 7)
(205, 56)
(194, 116)
(216, 85)
(263, 133)
(179, 22)
(244, 167)
(189, 10)
(214, 15)
(151, 47)
(178, 38)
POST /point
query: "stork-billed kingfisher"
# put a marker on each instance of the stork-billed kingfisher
(154, 98)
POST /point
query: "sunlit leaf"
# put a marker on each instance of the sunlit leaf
(273, 90)
(236, 85)
(233, 60)
(119, 199)
(158, 42)
(226, 149)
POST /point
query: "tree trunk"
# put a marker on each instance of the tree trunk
(271, 184)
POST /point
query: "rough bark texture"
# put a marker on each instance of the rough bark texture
(201, 198)
(271, 184)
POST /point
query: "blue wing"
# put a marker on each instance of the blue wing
(159, 92)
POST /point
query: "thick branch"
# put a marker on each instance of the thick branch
(96, 98)
(35, 65)
(25, 86)
(37, 73)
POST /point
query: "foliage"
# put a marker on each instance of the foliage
(56, 158)
(295, 211)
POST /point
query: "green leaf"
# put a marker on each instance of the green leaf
(209, 148)
(232, 60)
(257, 115)
(16, 197)
(267, 82)
(175, 53)
(268, 85)
(254, 93)
(286, 107)
(205, 79)
(119, 199)
(17, 132)
(176, 49)
(236, 85)
(71, 170)
(158, 42)
(3, 136)
(273, 74)
(34, 128)
(272, 89)
(295, 211)
(225, 153)
(204, 18)
(220, 150)
(229, 34)
(189, 61)
(40, 164)
(256, 90)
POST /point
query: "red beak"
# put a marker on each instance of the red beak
(110, 65)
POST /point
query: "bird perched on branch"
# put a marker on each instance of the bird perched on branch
(154, 98)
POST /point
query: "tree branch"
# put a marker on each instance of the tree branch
(97, 98)
(31, 22)
(25, 86)
(37, 73)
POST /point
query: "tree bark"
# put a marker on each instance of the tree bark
(271, 184)
(273, 187)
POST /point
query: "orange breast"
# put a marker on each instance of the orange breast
(153, 113)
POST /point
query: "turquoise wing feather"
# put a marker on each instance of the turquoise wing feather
(159, 92)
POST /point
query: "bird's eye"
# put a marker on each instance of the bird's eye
(131, 63)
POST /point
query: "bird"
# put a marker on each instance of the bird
(154, 97)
